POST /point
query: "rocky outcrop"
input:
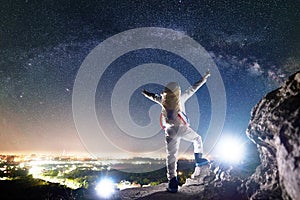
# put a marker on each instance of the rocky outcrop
(275, 129)
(216, 181)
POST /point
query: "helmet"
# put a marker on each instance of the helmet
(173, 88)
(171, 97)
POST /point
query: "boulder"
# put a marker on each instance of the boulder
(275, 129)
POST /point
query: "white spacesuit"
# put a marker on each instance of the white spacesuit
(176, 126)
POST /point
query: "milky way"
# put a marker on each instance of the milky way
(255, 44)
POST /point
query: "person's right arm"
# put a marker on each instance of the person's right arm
(191, 90)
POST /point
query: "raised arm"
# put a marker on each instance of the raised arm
(191, 90)
(154, 97)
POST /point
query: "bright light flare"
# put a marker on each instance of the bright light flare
(230, 149)
(105, 188)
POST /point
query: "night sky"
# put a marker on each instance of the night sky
(255, 45)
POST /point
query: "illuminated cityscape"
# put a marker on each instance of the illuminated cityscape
(82, 172)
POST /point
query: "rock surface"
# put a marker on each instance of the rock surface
(216, 181)
(275, 129)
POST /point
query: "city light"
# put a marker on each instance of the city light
(126, 184)
(230, 149)
(105, 188)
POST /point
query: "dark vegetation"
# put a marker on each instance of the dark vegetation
(29, 188)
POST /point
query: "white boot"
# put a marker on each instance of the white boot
(196, 173)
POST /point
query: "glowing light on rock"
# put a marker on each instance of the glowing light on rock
(105, 188)
(230, 149)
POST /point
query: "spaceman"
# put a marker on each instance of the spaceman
(176, 127)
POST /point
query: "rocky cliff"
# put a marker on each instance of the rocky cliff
(275, 129)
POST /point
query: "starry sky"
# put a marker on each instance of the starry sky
(255, 45)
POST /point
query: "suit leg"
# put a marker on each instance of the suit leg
(172, 143)
(190, 135)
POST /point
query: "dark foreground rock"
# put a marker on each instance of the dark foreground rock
(217, 181)
(275, 129)
(34, 189)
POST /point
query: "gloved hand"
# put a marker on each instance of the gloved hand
(207, 74)
(144, 92)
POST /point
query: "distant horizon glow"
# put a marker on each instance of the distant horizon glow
(109, 156)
